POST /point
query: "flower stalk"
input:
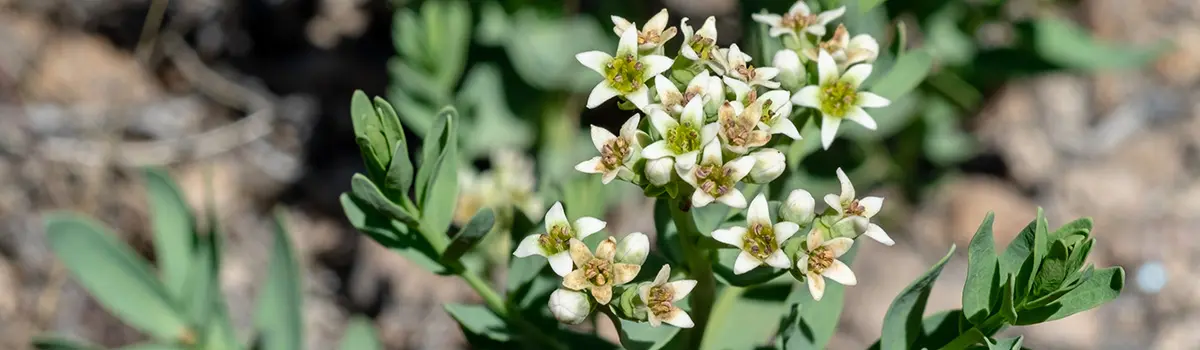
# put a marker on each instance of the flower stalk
(699, 268)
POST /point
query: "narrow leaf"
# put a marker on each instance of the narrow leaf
(982, 287)
(1053, 271)
(1103, 286)
(278, 316)
(173, 229)
(203, 284)
(470, 235)
(360, 335)
(57, 342)
(391, 234)
(1081, 225)
(867, 5)
(389, 123)
(369, 130)
(909, 70)
(819, 319)
(365, 190)
(902, 322)
(399, 177)
(1008, 306)
(152, 346)
(640, 336)
(1065, 43)
(1007, 343)
(478, 320)
(438, 174)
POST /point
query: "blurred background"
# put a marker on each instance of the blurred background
(1084, 108)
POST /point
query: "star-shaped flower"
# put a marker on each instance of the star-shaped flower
(738, 67)
(699, 45)
(682, 139)
(798, 20)
(837, 96)
(626, 74)
(847, 204)
(598, 273)
(776, 109)
(715, 179)
(659, 297)
(846, 51)
(819, 260)
(617, 153)
(703, 86)
(739, 131)
(653, 34)
(555, 243)
(760, 242)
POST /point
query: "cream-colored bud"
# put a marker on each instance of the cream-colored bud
(633, 249)
(769, 163)
(570, 307)
(799, 207)
(658, 171)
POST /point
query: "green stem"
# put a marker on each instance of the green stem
(699, 268)
(496, 303)
(966, 339)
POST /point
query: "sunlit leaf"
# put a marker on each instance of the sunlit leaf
(902, 322)
(278, 316)
(173, 226)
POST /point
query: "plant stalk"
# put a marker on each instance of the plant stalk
(699, 269)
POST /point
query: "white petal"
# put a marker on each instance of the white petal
(758, 212)
(847, 186)
(800, 8)
(765, 73)
(808, 96)
(779, 260)
(829, 128)
(662, 122)
(686, 29)
(601, 137)
(871, 100)
(733, 236)
(687, 51)
(620, 24)
(693, 113)
(827, 69)
(815, 238)
(709, 132)
(590, 166)
(560, 263)
(653, 320)
(871, 205)
(740, 89)
(665, 88)
(857, 74)
(611, 175)
(556, 216)
(876, 233)
(709, 28)
(860, 116)
(838, 246)
(834, 202)
(828, 16)
(783, 125)
(595, 60)
(681, 288)
(816, 286)
(663, 274)
(528, 246)
(655, 64)
(777, 97)
(701, 199)
(600, 94)
(745, 262)
(658, 22)
(680, 319)
(769, 19)
(733, 198)
(712, 153)
(841, 273)
(656, 150)
(639, 97)
(741, 167)
(630, 128)
(586, 226)
(629, 42)
(776, 32)
(686, 161)
(866, 44)
(784, 230)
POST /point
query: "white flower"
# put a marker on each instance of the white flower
(760, 242)
(740, 131)
(715, 179)
(659, 296)
(738, 67)
(837, 97)
(699, 45)
(846, 51)
(659, 171)
(847, 205)
(598, 273)
(570, 307)
(653, 34)
(769, 163)
(555, 243)
(617, 153)
(703, 86)
(799, 207)
(633, 249)
(799, 19)
(682, 139)
(776, 109)
(626, 74)
(819, 260)
(791, 71)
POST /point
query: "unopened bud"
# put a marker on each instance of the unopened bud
(570, 307)
(769, 163)
(633, 249)
(658, 171)
(850, 227)
(798, 207)
(791, 72)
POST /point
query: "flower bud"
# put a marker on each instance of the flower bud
(658, 171)
(768, 165)
(798, 207)
(570, 307)
(633, 249)
(791, 72)
(850, 227)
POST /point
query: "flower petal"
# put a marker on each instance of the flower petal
(777, 97)
(745, 262)
(784, 230)
(639, 97)
(733, 198)
(769, 19)
(816, 285)
(740, 89)
(871, 100)
(784, 126)
(653, 320)
(686, 161)
(665, 88)
(611, 175)
(656, 150)
(528, 247)
(658, 22)
(871, 205)
(779, 260)
(834, 202)
(560, 263)
(733, 236)
(740, 167)
(601, 137)
(808, 96)
(857, 74)
(620, 24)
(847, 186)
(758, 212)
(600, 94)
(678, 318)
(828, 16)
(709, 132)
(709, 28)
(802, 261)
(590, 166)
(594, 60)
(865, 46)
(623, 273)
(776, 32)
(876, 233)
(575, 280)
(712, 153)
(815, 238)
(655, 65)
(827, 69)
(763, 74)
(644, 292)
(607, 249)
(829, 129)
(603, 294)
(663, 275)
(839, 245)
(841, 273)
(701, 199)
(586, 226)
(580, 253)
(630, 128)
(681, 288)
(799, 8)
(555, 217)
(860, 116)
(629, 42)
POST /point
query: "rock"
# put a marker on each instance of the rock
(955, 213)
(1178, 67)
(111, 78)
(1010, 125)
(23, 36)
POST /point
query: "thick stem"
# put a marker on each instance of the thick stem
(699, 269)
(496, 303)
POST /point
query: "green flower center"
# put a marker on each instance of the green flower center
(598, 271)
(613, 154)
(683, 138)
(714, 179)
(557, 240)
(660, 300)
(760, 241)
(702, 46)
(820, 259)
(625, 73)
(837, 98)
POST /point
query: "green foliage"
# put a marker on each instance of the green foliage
(902, 324)
(360, 335)
(278, 317)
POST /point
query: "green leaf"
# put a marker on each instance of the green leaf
(866, 5)
(365, 190)
(278, 316)
(360, 335)
(388, 233)
(478, 320)
(1008, 303)
(945, 41)
(1022, 248)
(115, 276)
(173, 226)
(221, 335)
(982, 287)
(406, 34)
(437, 177)
(369, 129)
(939, 329)
(448, 33)
(1053, 272)
(967, 339)
(1007, 343)
(152, 346)
(1103, 286)
(746, 317)
(203, 283)
(57, 342)
(1081, 225)
(909, 70)
(399, 177)
(819, 319)
(1064, 43)
(640, 336)
(470, 235)
(723, 267)
(902, 322)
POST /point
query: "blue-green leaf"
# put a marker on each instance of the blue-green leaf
(902, 322)
(366, 191)
(56, 342)
(982, 288)
(478, 320)
(389, 233)
(1079, 226)
(203, 284)
(152, 346)
(470, 235)
(279, 316)
(818, 319)
(360, 335)
(640, 336)
(173, 230)
(1013, 343)
(1102, 287)
(437, 176)
(1064, 43)
(370, 134)
(743, 318)
(909, 70)
(866, 5)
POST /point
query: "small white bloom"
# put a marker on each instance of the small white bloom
(776, 111)
(699, 45)
(846, 51)
(659, 171)
(760, 242)
(837, 96)
(682, 139)
(847, 204)
(738, 67)
(616, 152)
(798, 20)
(626, 74)
(819, 260)
(769, 163)
(740, 131)
(555, 243)
(799, 207)
(598, 273)
(659, 297)
(653, 34)
(633, 249)
(791, 71)
(715, 179)
(570, 307)
(701, 86)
